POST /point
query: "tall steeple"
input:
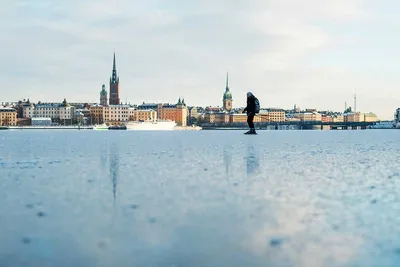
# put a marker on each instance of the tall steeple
(114, 76)
(227, 81)
(114, 85)
(227, 99)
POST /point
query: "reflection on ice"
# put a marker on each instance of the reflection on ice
(114, 169)
(198, 199)
(252, 159)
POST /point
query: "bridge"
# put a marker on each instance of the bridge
(299, 125)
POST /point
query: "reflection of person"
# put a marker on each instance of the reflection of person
(251, 111)
(252, 159)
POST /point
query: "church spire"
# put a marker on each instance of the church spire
(114, 77)
(114, 85)
(114, 65)
(227, 81)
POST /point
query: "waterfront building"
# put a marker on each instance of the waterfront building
(177, 112)
(354, 117)
(227, 98)
(326, 118)
(20, 107)
(338, 118)
(370, 117)
(114, 86)
(193, 115)
(242, 118)
(308, 116)
(217, 118)
(142, 114)
(63, 112)
(275, 115)
(103, 96)
(8, 116)
(97, 113)
(66, 112)
(116, 113)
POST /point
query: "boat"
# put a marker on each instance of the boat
(117, 127)
(159, 125)
(100, 127)
(4, 128)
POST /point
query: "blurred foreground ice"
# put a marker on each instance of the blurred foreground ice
(208, 198)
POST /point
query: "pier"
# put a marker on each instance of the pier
(50, 127)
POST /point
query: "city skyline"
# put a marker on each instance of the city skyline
(310, 54)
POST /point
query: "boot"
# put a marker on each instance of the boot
(253, 131)
(248, 132)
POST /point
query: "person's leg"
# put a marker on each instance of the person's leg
(250, 119)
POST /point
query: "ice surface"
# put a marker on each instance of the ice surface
(199, 198)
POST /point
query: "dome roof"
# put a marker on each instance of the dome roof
(227, 95)
(65, 103)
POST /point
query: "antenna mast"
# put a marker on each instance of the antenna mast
(355, 103)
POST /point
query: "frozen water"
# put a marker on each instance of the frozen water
(199, 198)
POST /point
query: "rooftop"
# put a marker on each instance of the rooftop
(7, 109)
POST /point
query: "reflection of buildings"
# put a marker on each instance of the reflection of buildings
(114, 169)
(227, 160)
(252, 159)
(103, 156)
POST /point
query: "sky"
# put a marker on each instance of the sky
(312, 53)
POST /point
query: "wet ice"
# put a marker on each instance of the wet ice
(199, 199)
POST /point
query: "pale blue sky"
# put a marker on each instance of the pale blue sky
(312, 53)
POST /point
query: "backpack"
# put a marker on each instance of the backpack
(257, 105)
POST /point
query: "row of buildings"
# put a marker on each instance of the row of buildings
(111, 111)
(281, 115)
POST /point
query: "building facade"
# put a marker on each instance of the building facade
(370, 117)
(276, 115)
(242, 118)
(114, 86)
(142, 115)
(97, 113)
(308, 116)
(55, 111)
(116, 113)
(227, 100)
(193, 115)
(8, 116)
(338, 118)
(354, 117)
(177, 112)
(218, 118)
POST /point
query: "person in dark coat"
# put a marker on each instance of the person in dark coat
(251, 112)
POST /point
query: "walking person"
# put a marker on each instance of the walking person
(253, 107)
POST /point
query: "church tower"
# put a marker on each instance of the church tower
(103, 96)
(114, 86)
(227, 99)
